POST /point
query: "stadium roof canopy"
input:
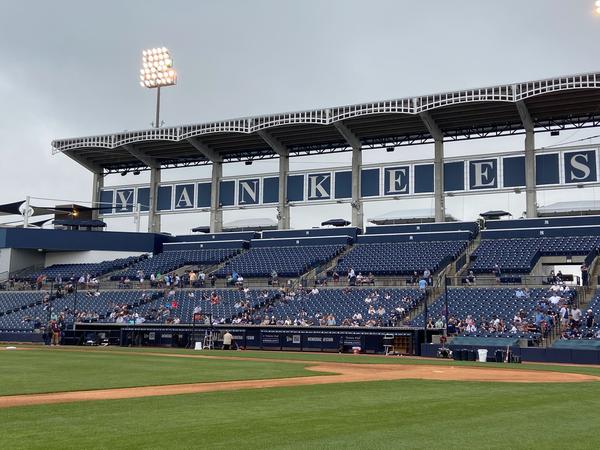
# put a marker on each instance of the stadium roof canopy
(553, 104)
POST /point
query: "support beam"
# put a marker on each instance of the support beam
(141, 156)
(155, 177)
(530, 190)
(216, 213)
(354, 142)
(205, 150)
(283, 208)
(438, 166)
(97, 185)
(274, 143)
(153, 215)
(94, 168)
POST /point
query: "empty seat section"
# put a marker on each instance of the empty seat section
(171, 260)
(519, 255)
(400, 258)
(286, 261)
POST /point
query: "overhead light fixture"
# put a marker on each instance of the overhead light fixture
(123, 173)
(555, 133)
(136, 172)
(390, 149)
(248, 163)
(157, 71)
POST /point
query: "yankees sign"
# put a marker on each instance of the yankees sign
(489, 173)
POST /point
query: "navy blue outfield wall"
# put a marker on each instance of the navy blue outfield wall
(558, 231)
(312, 232)
(575, 221)
(472, 227)
(528, 354)
(301, 241)
(415, 237)
(170, 246)
(314, 339)
(234, 236)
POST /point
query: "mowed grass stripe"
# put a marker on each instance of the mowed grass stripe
(45, 370)
(342, 358)
(391, 414)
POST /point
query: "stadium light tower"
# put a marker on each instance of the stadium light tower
(157, 71)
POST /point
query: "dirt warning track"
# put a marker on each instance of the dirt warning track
(340, 373)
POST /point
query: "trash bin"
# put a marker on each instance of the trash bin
(457, 355)
(482, 354)
(500, 355)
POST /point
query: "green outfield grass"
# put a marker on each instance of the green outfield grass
(334, 357)
(398, 414)
(52, 370)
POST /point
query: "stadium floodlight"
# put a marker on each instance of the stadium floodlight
(157, 71)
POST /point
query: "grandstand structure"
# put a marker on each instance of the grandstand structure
(520, 108)
(487, 283)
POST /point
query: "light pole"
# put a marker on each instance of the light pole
(157, 71)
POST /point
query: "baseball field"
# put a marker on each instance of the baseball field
(163, 398)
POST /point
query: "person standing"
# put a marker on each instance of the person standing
(55, 330)
(227, 340)
(585, 274)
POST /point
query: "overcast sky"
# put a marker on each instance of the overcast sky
(70, 68)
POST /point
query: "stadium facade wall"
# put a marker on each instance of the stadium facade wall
(542, 223)
(558, 231)
(21, 259)
(312, 232)
(89, 256)
(67, 240)
(239, 236)
(415, 237)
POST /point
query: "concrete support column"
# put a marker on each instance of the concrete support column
(153, 216)
(530, 191)
(357, 205)
(438, 184)
(283, 216)
(97, 185)
(216, 213)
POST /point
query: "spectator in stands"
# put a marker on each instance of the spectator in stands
(497, 272)
(470, 279)
(213, 280)
(589, 319)
(371, 279)
(274, 281)
(575, 317)
(335, 277)
(351, 277)
(414, 279)
(563, 314)
(585, 273)
(422, 284)
(427, 276)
